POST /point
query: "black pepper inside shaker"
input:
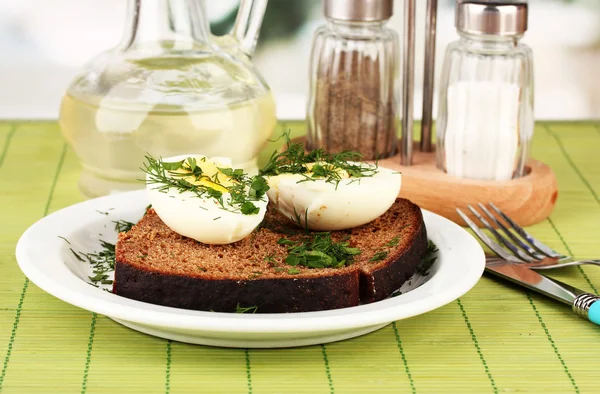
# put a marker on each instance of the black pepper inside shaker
(353, 97)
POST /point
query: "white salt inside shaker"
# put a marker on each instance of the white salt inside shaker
(485, 122)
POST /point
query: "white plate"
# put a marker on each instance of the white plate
(49, 263)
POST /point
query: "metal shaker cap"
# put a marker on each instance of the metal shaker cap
(358, 10)
(501, 18)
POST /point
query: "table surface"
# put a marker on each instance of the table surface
(496, 338)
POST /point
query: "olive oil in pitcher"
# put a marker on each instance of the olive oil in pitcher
(166, 94)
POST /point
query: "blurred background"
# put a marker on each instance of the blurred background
(43, 43)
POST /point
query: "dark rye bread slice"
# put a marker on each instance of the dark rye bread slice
(156, 265)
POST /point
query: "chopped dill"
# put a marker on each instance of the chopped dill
(103, 261)
(380, 255)
(122, 226)
(331, 167)
(239, 198)
(252, 309)
(318, 250)
(422, 269)
(393, 242)
(429, 259)
(396, 293)
(76, 255)
(64, 239)
(298, 219)
(271, 259)
(102, 213)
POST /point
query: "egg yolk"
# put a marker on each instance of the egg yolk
(211, 177)
(341, 172)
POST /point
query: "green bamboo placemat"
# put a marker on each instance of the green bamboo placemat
(497, 338)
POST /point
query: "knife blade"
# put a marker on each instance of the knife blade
(584, 304)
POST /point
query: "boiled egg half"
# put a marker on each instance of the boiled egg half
(194, 196)
(326, 204)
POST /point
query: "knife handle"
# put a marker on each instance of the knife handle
(588, 306)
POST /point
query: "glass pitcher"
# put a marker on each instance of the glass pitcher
(169, 88)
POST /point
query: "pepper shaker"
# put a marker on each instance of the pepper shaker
(353, 98)
(485, 119)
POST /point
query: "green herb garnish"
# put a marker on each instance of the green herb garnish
(240, 196)
(64, 239)
(318, 250)
(271, 259)
(298, 219)
(393, 242)
(381, 255)
(293, 271)
(239, 309)
(248, 208)
(294, 160)
(429, 259)
(396, 293)
(102, 262)
(122, 226)
(173, 166)
(77, 255)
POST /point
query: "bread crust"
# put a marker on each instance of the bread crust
(379, 283)
(270, 295)
(364, 281)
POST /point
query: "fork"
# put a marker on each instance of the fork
(522, 249)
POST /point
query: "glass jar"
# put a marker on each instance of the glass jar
(353, 97)
(485, 121)
(169, 88)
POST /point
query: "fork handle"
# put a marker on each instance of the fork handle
(588, 306)
(596, 262)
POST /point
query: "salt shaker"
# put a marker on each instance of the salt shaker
(485, 120)
(353, 98)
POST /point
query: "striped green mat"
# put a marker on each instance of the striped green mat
(497, 338)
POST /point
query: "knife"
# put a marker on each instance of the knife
(584, 304)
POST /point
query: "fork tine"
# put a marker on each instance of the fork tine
(532, 252)
(499, 250)
(548, 251)
(515, 250)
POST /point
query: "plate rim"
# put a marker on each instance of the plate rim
(139, 312)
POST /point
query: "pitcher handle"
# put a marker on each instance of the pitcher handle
(247, 24)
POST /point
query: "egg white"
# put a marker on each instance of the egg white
(203, 218)
(322, 206)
